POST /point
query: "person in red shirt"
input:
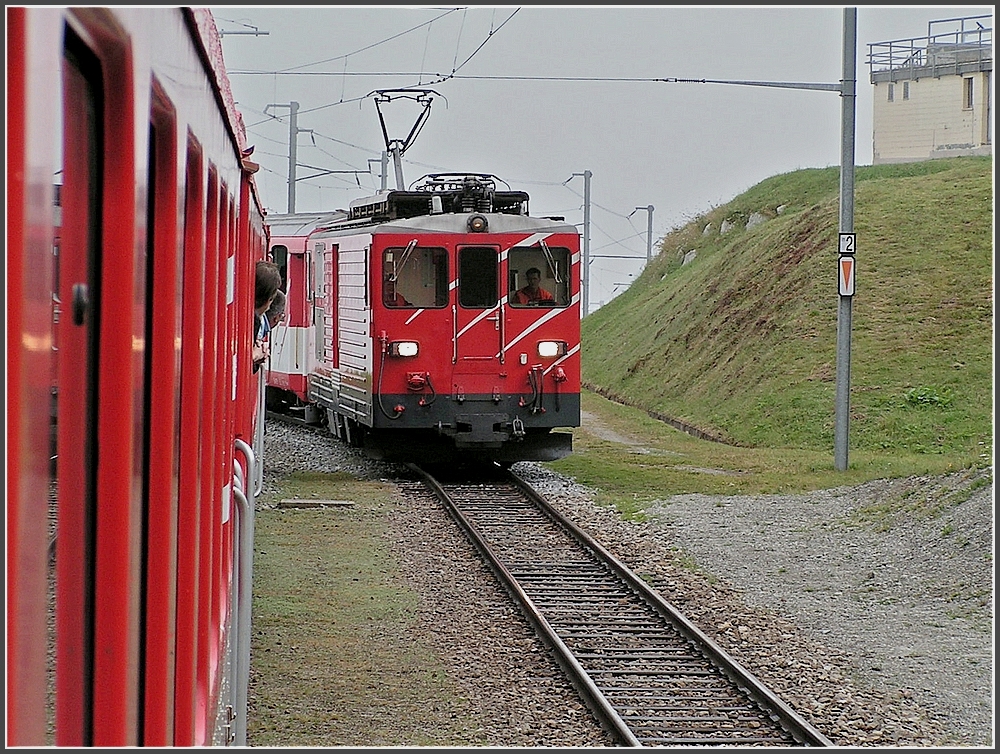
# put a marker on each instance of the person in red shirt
(533, 293)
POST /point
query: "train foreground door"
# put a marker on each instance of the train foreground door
(477, 322)
(76, 375)
(477, 372)
(73, 523)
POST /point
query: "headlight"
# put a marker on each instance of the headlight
(403, 348)
(477, 224)
(551, 348)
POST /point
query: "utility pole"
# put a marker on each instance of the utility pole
(293, 133)
(293, 153)
(847, 241)
(585, 276)
(385, 168)
(649, 230)
(293, 156)
(586, 242)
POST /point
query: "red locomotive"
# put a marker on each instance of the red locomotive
(405, 331)
(133, 227)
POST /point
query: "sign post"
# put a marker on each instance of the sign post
(848, 241)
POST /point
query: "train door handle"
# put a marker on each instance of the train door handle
(81, 303)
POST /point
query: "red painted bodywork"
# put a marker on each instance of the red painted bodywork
(139, 326)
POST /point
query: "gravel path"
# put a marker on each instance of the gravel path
(879, 632)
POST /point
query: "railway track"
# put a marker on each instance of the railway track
(650, 676)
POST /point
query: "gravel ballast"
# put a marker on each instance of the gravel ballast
(879, 637)
(879, 633)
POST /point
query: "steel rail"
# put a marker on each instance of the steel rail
(795, 723)
(585, 686)
(622, 686)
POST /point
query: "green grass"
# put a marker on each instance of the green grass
(741, 342)
(672, 462)
(334, 662)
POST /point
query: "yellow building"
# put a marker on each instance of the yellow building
(933, 94)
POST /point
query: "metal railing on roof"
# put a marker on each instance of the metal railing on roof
(964, 49)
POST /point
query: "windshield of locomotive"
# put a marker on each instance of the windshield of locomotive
(539, 276)
(415, 277)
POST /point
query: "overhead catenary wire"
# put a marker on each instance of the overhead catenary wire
(300, 70)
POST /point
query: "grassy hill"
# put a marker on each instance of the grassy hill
(740, 341)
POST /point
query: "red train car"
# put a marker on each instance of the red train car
(407, 334)
(286, 374)
(132, 230)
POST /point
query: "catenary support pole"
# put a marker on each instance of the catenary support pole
(848, 96)
(649, 234)
(586, 244)
(585, 262)
(293, 142)
(649, 230)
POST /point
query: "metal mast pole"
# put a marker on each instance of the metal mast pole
(649, 230)
(293, 134)
(847, 245)
(649, 235)
(293, 138)
(586, 244)
(384, 167)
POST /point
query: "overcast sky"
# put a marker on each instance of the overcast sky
(535, 94)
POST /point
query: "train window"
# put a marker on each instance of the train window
(316, 275)
(279, 255)
(415, 277)
(538, 276)
(478, 275)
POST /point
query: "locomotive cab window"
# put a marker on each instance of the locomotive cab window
(415, 277)
(538, 276)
